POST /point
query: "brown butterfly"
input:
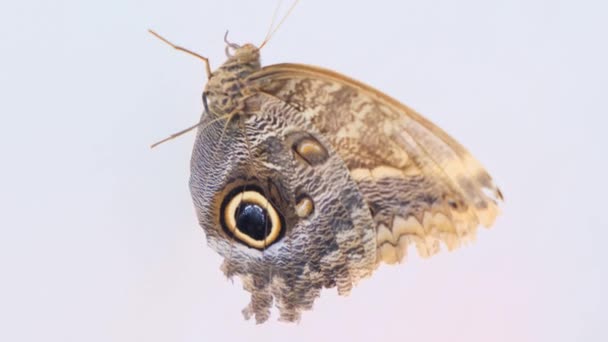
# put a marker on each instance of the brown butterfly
(305, 179)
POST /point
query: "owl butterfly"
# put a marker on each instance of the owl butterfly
(305, 179)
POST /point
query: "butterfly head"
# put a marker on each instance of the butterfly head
(242, 61)
(225, 89)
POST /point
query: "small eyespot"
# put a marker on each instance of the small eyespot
(252, 219)
(311, 150)
(304, 207)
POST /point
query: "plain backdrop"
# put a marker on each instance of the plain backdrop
(99, 240)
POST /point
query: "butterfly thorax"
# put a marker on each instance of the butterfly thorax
(226, 89)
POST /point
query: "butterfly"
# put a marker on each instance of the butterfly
(304, 179)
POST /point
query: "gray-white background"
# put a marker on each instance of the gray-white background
(99, 240)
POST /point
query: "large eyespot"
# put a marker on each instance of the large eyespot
(251, 218)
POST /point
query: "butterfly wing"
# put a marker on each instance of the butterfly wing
(325, 235)
(421, 186)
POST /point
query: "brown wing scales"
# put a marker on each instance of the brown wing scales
(421, 185)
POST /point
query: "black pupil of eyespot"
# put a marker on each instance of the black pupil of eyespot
(251, 220)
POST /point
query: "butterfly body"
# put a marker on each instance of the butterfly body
(304, 179)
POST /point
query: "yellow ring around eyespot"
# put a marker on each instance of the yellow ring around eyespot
(253, 197)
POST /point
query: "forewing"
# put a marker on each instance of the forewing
(421, 185)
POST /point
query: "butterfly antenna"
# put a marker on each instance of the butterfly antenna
(268, 36)
(274, 18)
(205, 59)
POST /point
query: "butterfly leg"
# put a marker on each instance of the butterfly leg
(205, 59)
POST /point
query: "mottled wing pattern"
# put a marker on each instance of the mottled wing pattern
(422, 187)
(333, 246)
